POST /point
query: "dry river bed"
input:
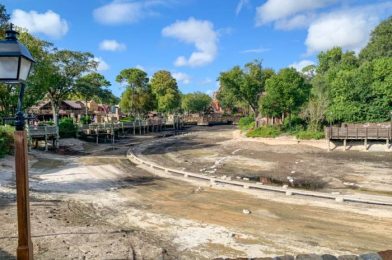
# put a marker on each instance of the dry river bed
(94, 204)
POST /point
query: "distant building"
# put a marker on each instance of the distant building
(76, 109)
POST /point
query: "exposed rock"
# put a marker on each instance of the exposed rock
(308, 257)
(370, 256)
(329, 257)
(348, 257)
(246, 211)
(386, 255)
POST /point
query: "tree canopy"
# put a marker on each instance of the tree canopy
(165, 89)
(195, 102)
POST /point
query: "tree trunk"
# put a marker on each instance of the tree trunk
(54, 112)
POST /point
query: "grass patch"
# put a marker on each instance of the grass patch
(308, 135)
(246, 123)
(265, 131)
(6, 140)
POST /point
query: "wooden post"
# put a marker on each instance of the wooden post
(25, 246)
(345, 144)
(366, 137)
(46, 139)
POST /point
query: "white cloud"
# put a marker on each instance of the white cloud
(112, 45)
(276, 10)
(241, 4)
(349, 29)
(257, 50)
(125, 12)
(301, 64)
(182, 77)
(102, 65)
(197, 32)
(48, 23)
(140, 67)
(206, 81)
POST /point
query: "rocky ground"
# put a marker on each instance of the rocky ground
(90, 202)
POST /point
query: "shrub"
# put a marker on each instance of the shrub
(308, 134)
(246, 123)
(85, 120)
(293, 124)
(67, 128)
(264, 131)
(127, 119)
(6, 140)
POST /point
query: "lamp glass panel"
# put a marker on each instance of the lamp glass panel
(8, 67)
(25, 66)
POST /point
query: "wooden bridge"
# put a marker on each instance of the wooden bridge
(358, 133)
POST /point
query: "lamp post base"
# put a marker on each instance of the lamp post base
(25, 246)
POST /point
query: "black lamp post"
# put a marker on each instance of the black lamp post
(15, 65)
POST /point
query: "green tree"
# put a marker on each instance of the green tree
(165, 89)
(244, 85)
(286, 92)
(196, 102)
(137, 97)
(90, 86)
(380, 44)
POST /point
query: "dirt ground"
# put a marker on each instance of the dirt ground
(92, 203)
(223, 152)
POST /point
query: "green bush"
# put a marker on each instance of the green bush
(265, 131)
(246, 123)
(293, 124)
(85, 120)
(43, 123)
(6, 140)
(308, 135)
(67, 128)
(127, 119)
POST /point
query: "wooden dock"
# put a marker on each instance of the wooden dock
(43, 133)
(364, 134)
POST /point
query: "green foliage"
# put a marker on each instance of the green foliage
(380, 44)
(309, 134)
(67, 128)
(246, 123)
(243, 85)
(195, 102)
(285, 93)
(128, 119)
(165, 89)
(293, 124)
(85, 119)
(265, 131)
(137, 97)
(6, 140)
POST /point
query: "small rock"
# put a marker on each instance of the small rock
(348, 257)
(308, 257)
(245, 179)
(284, 257)
(238, 177)
(370, 256)
(386, 255)
(285, 186)
(246, 211)
(335, 193)
(292, 172)
(329, 257)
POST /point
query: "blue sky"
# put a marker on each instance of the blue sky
(197, 39)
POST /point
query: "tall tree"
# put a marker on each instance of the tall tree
(60, 71)
(380, 44)
(196, 102)
(90, 86)
(286, 92)
(165, 89)
(137, 97)
(245, 84)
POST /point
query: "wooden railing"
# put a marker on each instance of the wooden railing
(358, 133)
